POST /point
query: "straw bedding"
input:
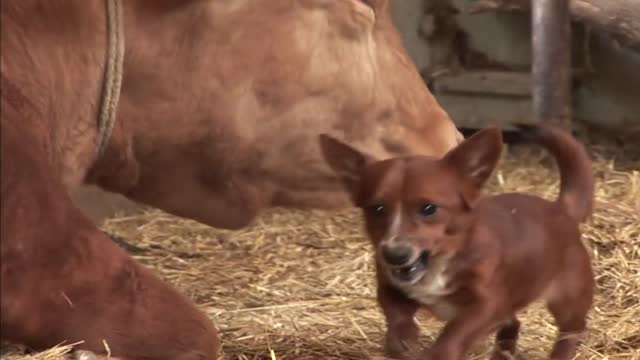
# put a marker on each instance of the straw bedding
(299, 284)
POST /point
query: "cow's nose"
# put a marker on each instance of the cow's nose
(397, 254)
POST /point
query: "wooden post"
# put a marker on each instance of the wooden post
(551, 71)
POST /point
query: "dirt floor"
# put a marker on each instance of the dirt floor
(299, 285)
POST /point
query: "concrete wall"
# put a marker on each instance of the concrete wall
(407, 16)
(610, 97)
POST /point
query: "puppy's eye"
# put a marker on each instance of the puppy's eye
(427, 210)
(377, 209)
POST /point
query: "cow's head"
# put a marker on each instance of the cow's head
(228, 97)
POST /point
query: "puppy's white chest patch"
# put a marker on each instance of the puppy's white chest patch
(431, 291)
(443, 310)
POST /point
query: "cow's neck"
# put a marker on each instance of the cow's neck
(151, 92)
(172, 124)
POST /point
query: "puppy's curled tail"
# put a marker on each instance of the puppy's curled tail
(576, 173)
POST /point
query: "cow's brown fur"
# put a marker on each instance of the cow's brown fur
(220, 105)
(473, 261)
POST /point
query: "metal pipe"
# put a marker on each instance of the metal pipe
(551, 70)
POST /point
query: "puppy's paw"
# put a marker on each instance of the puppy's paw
(441, 351)
(83, 355)
(403, 348)
(194, 355)
(89, 355)
(499, 354)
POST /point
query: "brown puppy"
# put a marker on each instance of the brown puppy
(473, 261)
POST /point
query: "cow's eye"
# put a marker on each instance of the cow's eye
(427, 210)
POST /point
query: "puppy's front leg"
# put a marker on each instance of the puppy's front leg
(401, 339)
(459, 334)
(506, 340)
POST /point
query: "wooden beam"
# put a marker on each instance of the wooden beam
(485, 83)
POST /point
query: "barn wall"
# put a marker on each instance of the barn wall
(606, 89)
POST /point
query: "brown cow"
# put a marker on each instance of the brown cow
(220, 106)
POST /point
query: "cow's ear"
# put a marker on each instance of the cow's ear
(346, 161)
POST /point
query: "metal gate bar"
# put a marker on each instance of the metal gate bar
(551, 70)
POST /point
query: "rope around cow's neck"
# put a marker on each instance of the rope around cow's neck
(113, 74)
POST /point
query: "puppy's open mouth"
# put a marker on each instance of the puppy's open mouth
(413, 271)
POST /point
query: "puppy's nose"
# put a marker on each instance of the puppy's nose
(397, 254)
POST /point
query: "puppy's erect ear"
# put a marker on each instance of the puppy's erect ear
(347, 162)
(475, 159)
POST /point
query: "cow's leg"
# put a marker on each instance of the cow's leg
(63, 280)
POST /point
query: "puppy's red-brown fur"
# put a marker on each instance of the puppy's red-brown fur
(473, 261)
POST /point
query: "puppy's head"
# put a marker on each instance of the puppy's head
(416, 208)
